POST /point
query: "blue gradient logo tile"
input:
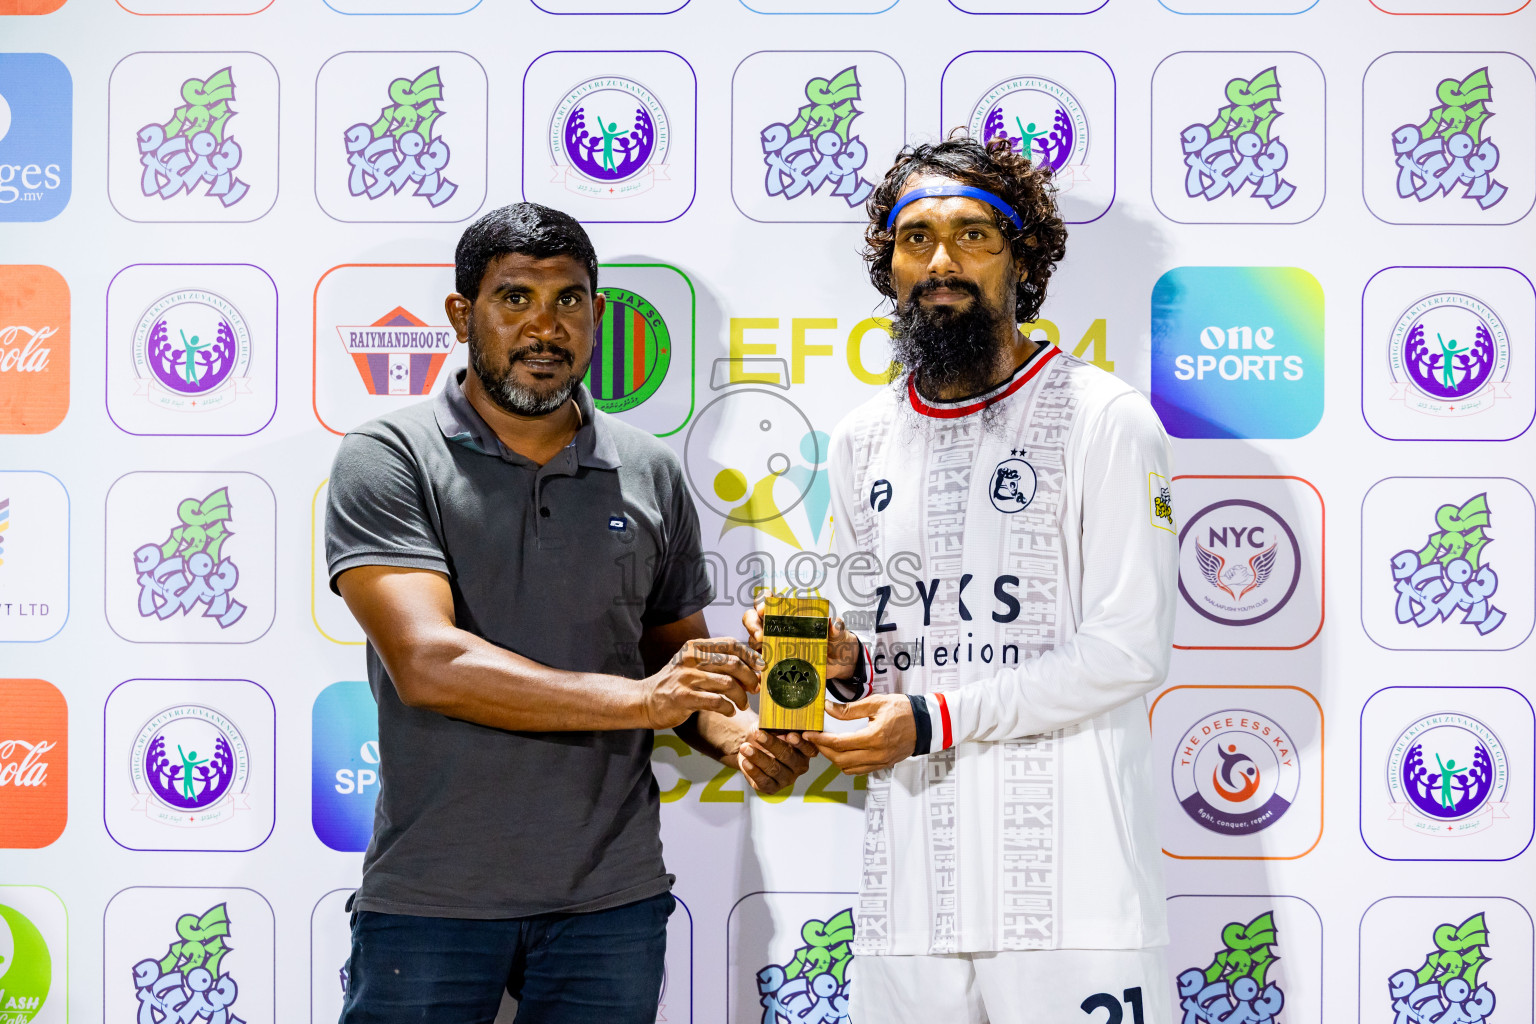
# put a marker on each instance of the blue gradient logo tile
(345, 766)
(1237, 352)
(36, 103)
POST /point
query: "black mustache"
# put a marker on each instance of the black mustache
(542, 351)
(932, 284)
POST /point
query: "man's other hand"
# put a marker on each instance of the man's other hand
(842, 646)
(889, 737)
(704, 675)
(773, 760)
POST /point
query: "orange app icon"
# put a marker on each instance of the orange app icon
(34, 763)
(34, 349)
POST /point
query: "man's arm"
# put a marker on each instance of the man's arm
(1120, 650)
(770, 761)
(408, 617)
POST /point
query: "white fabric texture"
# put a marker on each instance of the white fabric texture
(1024, 572)
(1047, 986)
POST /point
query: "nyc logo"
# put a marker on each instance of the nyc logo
(400, 137)
(36, 118)
(810, 131)
(1445, 138)
(192, 137)
(1238, 138)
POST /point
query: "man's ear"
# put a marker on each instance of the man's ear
(599, 303)
(459, 310)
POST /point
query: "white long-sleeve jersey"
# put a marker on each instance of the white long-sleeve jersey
(1015, 560)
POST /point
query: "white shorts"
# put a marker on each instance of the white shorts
(1049, 986)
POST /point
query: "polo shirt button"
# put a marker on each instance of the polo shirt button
(544, 511)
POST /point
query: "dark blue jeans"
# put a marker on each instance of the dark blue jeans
(603, 967)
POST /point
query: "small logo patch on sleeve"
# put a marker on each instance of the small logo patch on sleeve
(616, 523)
(1160, 502)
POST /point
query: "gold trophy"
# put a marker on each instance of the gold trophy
(795, 633)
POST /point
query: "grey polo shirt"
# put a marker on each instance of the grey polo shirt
(565, 564)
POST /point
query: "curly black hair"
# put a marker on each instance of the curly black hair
(997, 168)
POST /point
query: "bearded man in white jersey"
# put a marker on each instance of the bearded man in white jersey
(1011, 870)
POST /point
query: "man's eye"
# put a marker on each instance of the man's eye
(517, 300)
(567, 300)
(916, 238)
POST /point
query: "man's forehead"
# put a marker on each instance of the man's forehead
(520, 268)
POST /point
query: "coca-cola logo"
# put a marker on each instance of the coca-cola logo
(21, 762)
(22, 348)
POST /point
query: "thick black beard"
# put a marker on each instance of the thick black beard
(513, 397)
(944, 349)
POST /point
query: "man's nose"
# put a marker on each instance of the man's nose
(941, 263)
(542, 323)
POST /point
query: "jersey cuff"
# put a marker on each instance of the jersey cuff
(860, 684)
(930, 715)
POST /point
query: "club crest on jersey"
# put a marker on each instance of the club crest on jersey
(880, 495)
(1013, 484)
(1160, 502)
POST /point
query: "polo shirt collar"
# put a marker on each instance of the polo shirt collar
(461, 424)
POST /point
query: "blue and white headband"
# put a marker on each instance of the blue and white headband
(994, 201)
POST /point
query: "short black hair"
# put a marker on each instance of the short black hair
(998, 168)
(526, 228)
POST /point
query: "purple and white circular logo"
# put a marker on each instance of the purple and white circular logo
(191, 351)
(189, 767)
(1041, 120)
(1239, 562)
(609, 132)
(1447, 774)
(1448, 353)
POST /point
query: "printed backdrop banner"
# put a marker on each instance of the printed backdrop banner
(227, 231)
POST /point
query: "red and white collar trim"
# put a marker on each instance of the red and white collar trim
(1026, 372)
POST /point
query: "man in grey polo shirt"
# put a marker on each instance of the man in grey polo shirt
(529, 575)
